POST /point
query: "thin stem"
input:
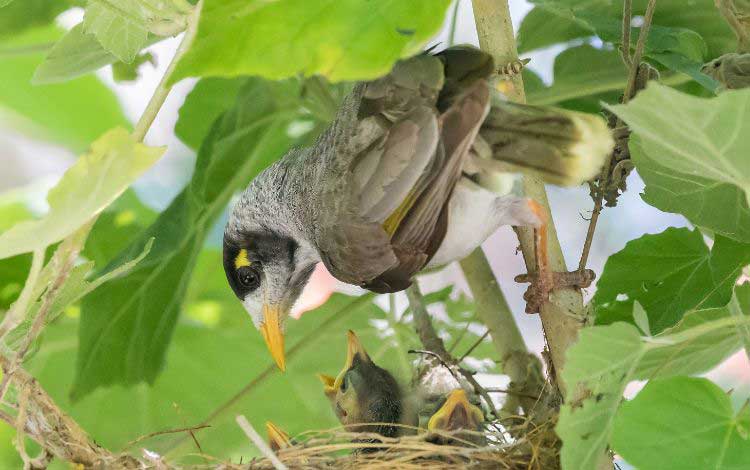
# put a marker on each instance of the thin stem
(255, 438)
(18, 310)
(742, 326)
(474, 346)
(162, 89)
(627, 17)
(598, 199)
(454, 18)
(640, 46)
(728, 10)
(633, 65)
(435, 346)
(268, 371)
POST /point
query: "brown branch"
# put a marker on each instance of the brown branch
(433, 344)
(40, 419)
(732, 16)
(631, 88)
(495, 32)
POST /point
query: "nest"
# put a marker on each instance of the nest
(536, 448)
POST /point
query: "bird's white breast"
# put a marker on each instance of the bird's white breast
(475, 214)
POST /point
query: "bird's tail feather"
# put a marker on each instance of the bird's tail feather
(563, 147)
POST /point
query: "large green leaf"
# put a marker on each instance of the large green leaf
(120, 28)
(221, 368)
(76, 53)
(582, 71)
(116, 227)
(128, 343)
(668, 274)
(26, 14)
(693, 152)
(555, 22)
(685, 423)
(73, 113)
(606, 358)
(340, 39)
(13, 270)
(206, 101)
(95, 180)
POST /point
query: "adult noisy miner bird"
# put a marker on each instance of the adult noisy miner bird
(391, 186)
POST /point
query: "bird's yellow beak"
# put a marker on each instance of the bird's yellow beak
(354, 349)
(328, 385)
(277, 438)
(456, 413)
(271, 331)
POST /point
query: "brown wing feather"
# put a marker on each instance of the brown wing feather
(423, 228)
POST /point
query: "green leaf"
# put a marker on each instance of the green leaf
(208, 366)
(341, 39)
(600, 365)
(606, 358)
(122, 72)
(582, 71)
(116, 227)
(685, 423)
(206, 101)
(693, 154)
(120, 28)
(27, 14)
(128, 344)
(556, 22)
(13, 270)
(93, 182)
(4, 3)
(76, 53)
(669, 274)
(541, 28)
(73, 114)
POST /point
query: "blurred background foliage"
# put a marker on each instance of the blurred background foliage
(168, 345)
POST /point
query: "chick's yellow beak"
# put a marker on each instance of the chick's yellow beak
(277, 438)
(456, 413)
(270, 328)
(354, 349)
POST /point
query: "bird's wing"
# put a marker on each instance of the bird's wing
(418, 225)
(388, 172)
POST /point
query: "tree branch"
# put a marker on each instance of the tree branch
(162, 89)
(560, 315)
(523, 368)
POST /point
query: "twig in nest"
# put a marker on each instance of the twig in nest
(253, 435)
(166, 431)
(432, 342)
(474, 346)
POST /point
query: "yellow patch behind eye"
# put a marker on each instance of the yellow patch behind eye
(241, 259)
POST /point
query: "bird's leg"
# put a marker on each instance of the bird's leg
(544, 280)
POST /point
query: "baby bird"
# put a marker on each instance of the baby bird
(456, 414)
(366, 397)
(277, 438)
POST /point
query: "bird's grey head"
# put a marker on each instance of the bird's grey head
(266, 269)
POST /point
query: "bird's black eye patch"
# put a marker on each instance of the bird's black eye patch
(248, 277)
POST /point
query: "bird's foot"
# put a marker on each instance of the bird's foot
(542, 284)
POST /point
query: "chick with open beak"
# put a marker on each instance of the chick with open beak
(457, 414)
(365, 397)
(277, 438)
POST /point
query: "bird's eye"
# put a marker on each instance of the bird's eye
(248, 277)
(344, 384)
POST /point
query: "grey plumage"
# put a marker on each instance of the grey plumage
(372, 197)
